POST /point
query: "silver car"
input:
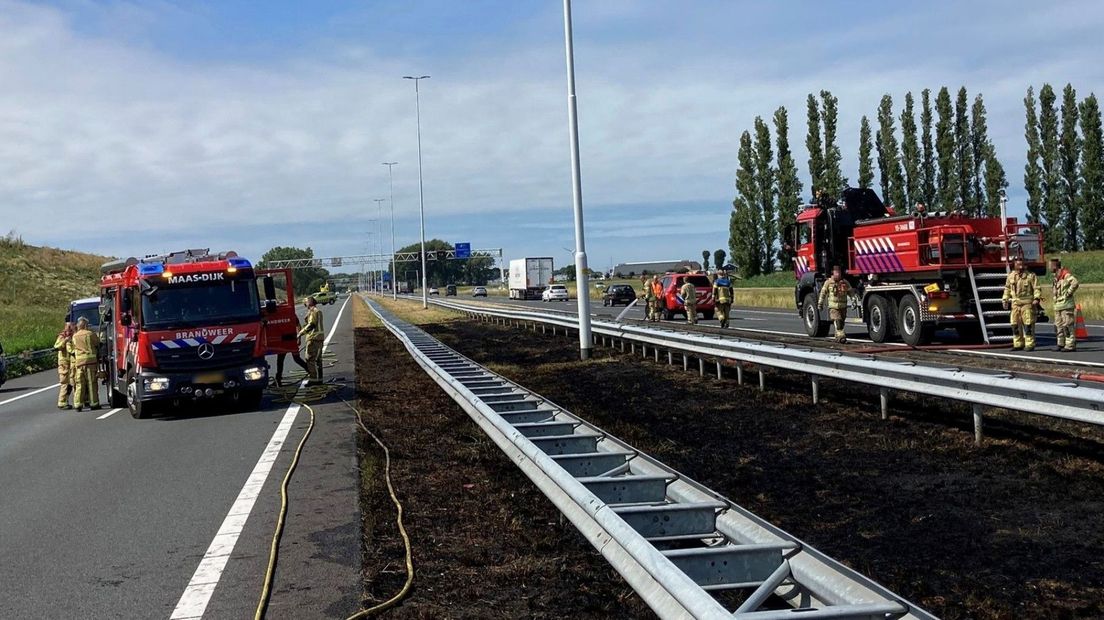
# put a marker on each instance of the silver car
(554, 292)
(479, 291)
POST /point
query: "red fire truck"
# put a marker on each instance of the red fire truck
(190, 325)
(913, 274)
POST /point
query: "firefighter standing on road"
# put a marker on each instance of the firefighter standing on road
(1065, 285)
(312, 329)
(690, 301)
(722, 294)
(1022, 296)
(86, 347)
(835, 293)
(64, 345)
(657, 292)
(648, 296)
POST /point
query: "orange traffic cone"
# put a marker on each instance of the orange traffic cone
(1080, 331)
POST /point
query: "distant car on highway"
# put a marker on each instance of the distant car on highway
(554, 292)
(671, 303)
(618, 294)
(479, 291)
(450, 290)
(433, 291)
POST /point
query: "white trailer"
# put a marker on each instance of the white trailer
(528, 277)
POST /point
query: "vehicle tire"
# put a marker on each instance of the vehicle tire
(138, 409)
(708, 315)
(115, 398)
(605, 303)
(881, 319)
(668, 315)
(913, 332)
(250, 400)
(810, 316)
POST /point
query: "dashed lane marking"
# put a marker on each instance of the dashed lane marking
(110, 413)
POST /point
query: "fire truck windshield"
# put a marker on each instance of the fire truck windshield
(232, 301)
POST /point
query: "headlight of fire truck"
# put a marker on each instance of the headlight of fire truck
(157, 384)
(253, 373)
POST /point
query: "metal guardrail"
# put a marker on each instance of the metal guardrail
(1080, 401)
(676, 542)
(28, 356)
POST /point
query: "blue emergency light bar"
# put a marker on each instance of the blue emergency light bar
(239, 263)
(151, 269)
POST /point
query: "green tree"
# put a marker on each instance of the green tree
(1092, 175)
(439, 271)
(1069, 155)
(1048, 134)
(866, 166)
(789, 186)
(995, 180)
(764, 180)
(815, 146)
(947, 187)
(889, 157)
(1033, 172)
(834, 181)
(705, 260)
(718, 259)
(910, 155)
(927, 185)
(981, 148)
(964, 154)
(745, 240)
(305, 280)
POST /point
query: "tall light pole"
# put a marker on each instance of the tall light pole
(391, 184)
(582, 288)
(379, 227)
(421, 197)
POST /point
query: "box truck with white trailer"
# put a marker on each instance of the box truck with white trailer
(528, 277)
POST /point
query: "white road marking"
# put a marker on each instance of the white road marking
(193, 603)
(110, 413)
(29, 394)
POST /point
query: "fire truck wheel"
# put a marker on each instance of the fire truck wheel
(881, 318)
(138, 409)
(250, 400)
(912, 329)
(815, 326)
(118, 399)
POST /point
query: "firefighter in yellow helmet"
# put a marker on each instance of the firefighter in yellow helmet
(723, 296)
(86, 347)
(648, 297)
(689, 296)
(315, 335)
(1065, 306)
(64, 347)
(1022, 296)
(835, 293)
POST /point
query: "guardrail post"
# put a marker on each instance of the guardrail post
(739, 373)
(883, 395)
(815, 380)
(685, 362)
(762, 380)
(670, 358)
(701, 367)
(977, 425)
(718, 370)
(622, 345)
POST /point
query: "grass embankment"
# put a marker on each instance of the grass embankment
(411, 311)
(36, 286)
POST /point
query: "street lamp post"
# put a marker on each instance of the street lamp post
(421, 197)
(582, 288)
(391, 184)
(379, 227)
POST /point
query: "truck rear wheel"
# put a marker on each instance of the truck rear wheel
(881, 319)
(810, 315)
(912, 329)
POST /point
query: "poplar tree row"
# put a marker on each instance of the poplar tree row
(1064, 173)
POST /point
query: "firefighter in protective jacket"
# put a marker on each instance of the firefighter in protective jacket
(648, 295)
(1022, 296)
(315, 335)
(690, 301)
(64, 347)
(835, 293)
(722, 296)
(1065, 285)
(86, 348)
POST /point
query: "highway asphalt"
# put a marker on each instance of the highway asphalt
(105, 516)
(748, 321)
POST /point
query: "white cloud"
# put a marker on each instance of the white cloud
(103, 135)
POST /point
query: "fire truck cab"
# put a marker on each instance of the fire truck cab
(914, 273)
(185, 326)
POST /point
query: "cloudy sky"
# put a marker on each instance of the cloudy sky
(132, 127)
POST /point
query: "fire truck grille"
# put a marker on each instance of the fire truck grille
(188, 360)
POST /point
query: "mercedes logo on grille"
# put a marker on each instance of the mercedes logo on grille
(206, 351)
